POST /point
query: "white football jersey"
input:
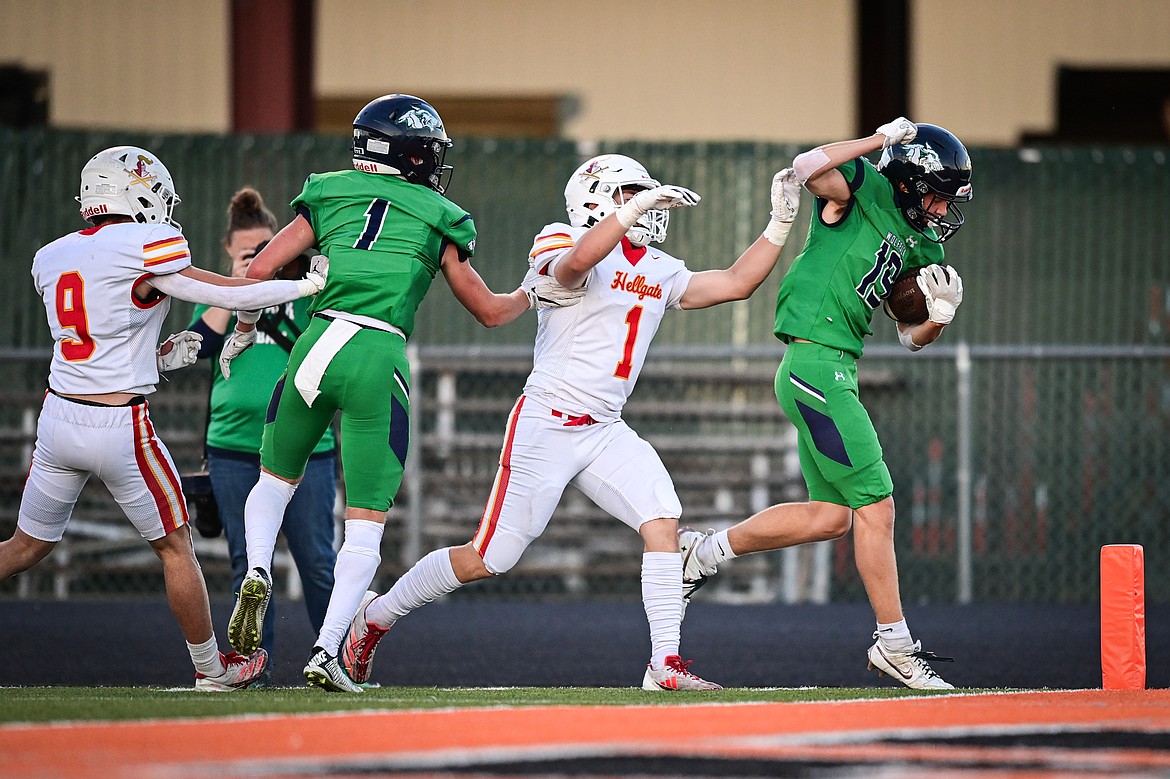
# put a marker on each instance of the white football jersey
(105, 338)
(589, 356)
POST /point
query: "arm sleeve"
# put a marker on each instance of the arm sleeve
(461, 231)
(260, 295)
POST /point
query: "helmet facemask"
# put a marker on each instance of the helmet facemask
(594, 192)
(918, 213)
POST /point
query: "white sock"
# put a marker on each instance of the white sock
(206, 657)
(721, 548)
(357, 562)
(895, 636)
(429, 578)
(662, 598)
(263, 515)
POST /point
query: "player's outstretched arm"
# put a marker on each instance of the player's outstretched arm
(490, 309)
(202, 286)
(817, 168)
(738, 282)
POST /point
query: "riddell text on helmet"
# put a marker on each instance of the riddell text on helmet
(86, 213)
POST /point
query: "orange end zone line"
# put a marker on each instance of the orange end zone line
(91, 749)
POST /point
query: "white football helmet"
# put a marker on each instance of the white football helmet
(129, 181)
(594, 192)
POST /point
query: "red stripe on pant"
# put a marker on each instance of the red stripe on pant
(573, 421)
(491, 512)
(146, 449)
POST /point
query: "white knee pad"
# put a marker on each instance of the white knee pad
(503, 552)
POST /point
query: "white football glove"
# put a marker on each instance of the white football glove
(656, 199)
(901, 130)
(319, 264)
(785, 204)
(179, 351)
(547, 292)
(233, 347)
(943, 290)
(312, 283)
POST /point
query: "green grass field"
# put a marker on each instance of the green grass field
(46, 704)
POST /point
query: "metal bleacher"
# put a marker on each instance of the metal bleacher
(715, 424)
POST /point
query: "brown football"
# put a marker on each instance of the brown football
(906, 303)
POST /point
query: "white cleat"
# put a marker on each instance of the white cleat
(238, 672)
(910, 667)
(323, 671)
(674, 676)
(361, 640)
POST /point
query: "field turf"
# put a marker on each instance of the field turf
(47, 704)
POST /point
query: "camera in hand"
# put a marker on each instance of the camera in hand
(201, 503)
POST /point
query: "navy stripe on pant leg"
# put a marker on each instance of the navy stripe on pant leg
(399, 429)
(825, 434)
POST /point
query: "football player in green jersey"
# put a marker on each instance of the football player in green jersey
(387, 230)
(871, 224)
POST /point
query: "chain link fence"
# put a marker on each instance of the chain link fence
(1035, 432)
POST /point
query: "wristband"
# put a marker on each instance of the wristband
(630, 213)
(906, 338)
(777, 232)
(307, 287)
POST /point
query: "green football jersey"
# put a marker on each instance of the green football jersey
(846, 269)
(384, 238)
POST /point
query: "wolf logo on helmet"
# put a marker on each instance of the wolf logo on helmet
(924, 157)
(418, 119)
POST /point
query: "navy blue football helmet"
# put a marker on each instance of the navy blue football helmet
(402, 134)
(934, 163)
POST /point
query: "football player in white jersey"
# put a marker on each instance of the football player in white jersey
(107, 292)
(567, 428)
